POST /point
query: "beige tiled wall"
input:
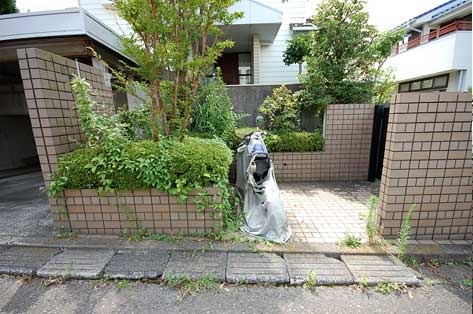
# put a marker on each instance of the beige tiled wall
(428, 163)
(46, 81)
(346, 153)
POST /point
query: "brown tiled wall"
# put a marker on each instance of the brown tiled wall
(46, 81)
(428, 163)
(84, 211)
(56, 128)
(346, 154)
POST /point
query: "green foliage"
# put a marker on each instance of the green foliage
(137, 123)
(311, 282)
(371, 223)
(172, 166)
(351, 241)
(404, 233)
(281, 110)
(411, 262)
(213, 112)
(296, 50)
(8, 6)
(468, 261)
(434, 263)
(189, 286)
(346, 54)
(71, 235)
(364, 282)
(389, 287)
(467, 282)
(294, 142)
(175, 44)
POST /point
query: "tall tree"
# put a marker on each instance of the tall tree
(345, 54)
(8, 6)
(175, 43)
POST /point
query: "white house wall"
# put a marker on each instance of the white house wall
(273, 69)
(444, 55)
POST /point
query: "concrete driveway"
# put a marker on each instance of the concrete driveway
(24, 209)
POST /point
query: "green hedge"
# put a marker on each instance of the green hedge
(167, 165)
(288, 141)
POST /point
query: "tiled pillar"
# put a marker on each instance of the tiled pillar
(428, 163)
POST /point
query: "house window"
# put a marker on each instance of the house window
(436, 83)
(244, 68)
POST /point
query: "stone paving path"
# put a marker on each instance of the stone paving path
(323, 212)
(233, 267)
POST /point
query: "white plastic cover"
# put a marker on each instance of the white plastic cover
(264, 212)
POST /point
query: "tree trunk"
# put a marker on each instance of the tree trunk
(155, 111)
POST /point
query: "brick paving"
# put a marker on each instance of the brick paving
(323, 212)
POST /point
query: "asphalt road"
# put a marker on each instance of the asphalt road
(84, 297)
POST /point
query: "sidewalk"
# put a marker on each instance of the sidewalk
(95, 257)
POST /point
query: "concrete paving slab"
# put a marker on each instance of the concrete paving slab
(256, 268)
(197, 264)
(464, 249)
(327, 270)
(3, 248)
(86, 264)
(136, 265)
(377, 269)
(25, 260)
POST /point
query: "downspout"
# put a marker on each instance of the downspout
(460, 81)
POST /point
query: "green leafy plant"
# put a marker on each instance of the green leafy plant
(213, 112)
(71, 235)
(187, 285)
(175, 44)
(390, 287)
(371, 223)
(345, 58)
(351, 241)
(468, 282)
(404, 233)
(364, 283)
(8, 7)
(468, 261)
(294, 141)
(296, 50)
(411, 262)
(122, 284)
(433, 263)
(311, 282)
(281, 110)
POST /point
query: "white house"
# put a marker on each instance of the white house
(436, 52)
(260, 37)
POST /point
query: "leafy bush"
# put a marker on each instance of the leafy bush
(281, 110)
(294, 142)
(137, 123)
(213, 112)
(171, 166)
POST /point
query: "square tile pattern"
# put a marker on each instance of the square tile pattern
(323, 212)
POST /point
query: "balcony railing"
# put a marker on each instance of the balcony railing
(450, 28)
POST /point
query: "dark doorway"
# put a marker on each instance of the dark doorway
(378, 142)
(17, 146)
(228, 63)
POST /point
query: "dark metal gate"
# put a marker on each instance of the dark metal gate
(378, 142)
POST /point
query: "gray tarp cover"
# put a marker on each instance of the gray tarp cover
(263, 207)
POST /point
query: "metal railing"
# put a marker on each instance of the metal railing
(450, 28)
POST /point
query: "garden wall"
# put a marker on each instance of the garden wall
(428, 162)
(56, 129)
(346, 154)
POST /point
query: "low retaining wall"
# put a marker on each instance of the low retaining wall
(346, 154)
(85, 211)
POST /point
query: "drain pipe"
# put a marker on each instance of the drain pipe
(460, 81)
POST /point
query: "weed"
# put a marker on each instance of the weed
(411, 262)
(389, 287)
(71, 235)
(434, 263)
(69, 271)
(311, 282)
(187, 285)
(122, 284)
(351, 241)
(364, 283)
(371, 223)
(468, 282)
(468, 261)
(428, 282)
(404, 233)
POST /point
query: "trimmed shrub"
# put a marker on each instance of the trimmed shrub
(294, 142)
(281, 110)
(172, 166)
